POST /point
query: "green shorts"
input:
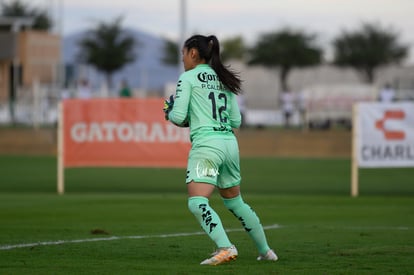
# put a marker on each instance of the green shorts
(216, 161)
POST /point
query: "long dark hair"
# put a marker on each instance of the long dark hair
(209, 49)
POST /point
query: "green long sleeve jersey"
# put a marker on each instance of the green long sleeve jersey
(203, 101)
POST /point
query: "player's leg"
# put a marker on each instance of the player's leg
(247, 216)
(229, 187)
(202, 172)
(209, 220)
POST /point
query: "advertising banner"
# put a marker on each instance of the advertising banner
(121, 132)
(385, 134)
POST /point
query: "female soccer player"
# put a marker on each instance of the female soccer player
(205, 100)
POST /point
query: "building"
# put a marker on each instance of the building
(328, 91)
(26, 56)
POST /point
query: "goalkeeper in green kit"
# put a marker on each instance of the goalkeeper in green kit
(206, 102)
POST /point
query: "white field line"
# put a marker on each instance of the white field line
(113, 238)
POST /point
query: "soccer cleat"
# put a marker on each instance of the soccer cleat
(221, 255)
(269, 256)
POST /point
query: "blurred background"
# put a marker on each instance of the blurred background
(303, 63)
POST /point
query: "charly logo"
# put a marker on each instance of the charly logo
(205, 169)
(391, 115)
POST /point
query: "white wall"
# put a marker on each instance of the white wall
(261, 85)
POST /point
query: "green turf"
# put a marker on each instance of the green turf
(322, 230)
(260, 175)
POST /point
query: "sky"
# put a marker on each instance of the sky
(229, 18)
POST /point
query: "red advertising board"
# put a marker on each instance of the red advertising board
(121, 132)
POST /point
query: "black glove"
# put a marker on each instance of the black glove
(168, 105)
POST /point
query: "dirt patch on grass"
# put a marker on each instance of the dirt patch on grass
(252, 142)
(295, 143)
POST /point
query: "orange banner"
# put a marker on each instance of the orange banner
(121, 132)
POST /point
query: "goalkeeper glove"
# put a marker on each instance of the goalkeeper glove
(168, 105)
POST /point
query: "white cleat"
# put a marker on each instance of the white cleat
(221, 255)
(269, 256)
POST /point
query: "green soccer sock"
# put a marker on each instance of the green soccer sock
(209, 220)
(249, 220)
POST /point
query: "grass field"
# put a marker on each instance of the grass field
(135, 221)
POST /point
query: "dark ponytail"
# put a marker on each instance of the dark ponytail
(209, 49)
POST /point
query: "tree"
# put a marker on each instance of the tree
(42, 20)
(108, 48)
(285, 49)
(233, 48)
(367, 49)
(171, 55)
(16, 8)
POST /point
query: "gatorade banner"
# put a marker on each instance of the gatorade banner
(121, 132)
(385, 134)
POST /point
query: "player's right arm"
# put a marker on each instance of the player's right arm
(179, 111)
